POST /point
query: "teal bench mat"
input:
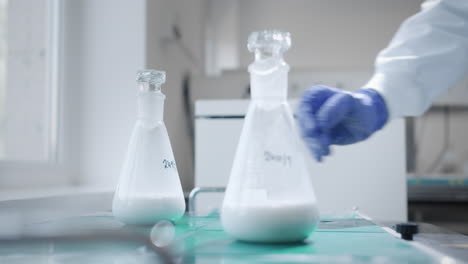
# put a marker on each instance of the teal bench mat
(202, 240)
(438, 182)
(336, 241)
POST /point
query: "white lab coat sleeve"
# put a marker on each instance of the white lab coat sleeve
(426, 57)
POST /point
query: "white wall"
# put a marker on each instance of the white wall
(107, 42)
(336, 35)
(430, 134)
(105, 46)
(327, 34)
(177, 57)
(26, 109)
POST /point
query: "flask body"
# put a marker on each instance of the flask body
(269, 197)
(149, 188)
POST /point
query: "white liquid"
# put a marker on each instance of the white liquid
(272, 223)
(148, 209)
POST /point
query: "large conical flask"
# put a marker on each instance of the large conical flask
(149, 188)
(269, 197)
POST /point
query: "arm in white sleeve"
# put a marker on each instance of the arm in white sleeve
(427, 56)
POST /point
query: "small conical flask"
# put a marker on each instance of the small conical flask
(269, 197)
(149, 187)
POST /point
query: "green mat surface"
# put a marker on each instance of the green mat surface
(202, 240)
(335, 241)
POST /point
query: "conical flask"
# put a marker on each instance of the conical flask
(269, 197)
(149, 187)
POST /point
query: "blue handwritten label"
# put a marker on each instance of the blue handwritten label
(169, 164)
(283, 159)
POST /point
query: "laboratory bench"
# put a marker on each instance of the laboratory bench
(440, 189)
(442, 201)
(80, 228)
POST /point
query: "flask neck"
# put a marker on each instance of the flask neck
(151, 106)
(149, 87)
(269, 78)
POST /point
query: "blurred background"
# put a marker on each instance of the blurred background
(68, 95)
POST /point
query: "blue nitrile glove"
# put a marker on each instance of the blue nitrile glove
(332, 116)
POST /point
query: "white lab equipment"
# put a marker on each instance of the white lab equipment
(269, 197)
(149, 187)
(427, 56)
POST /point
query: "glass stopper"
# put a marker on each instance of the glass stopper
(151, 79)
(273, 41)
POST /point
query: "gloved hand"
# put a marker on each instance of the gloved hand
(332, 116)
